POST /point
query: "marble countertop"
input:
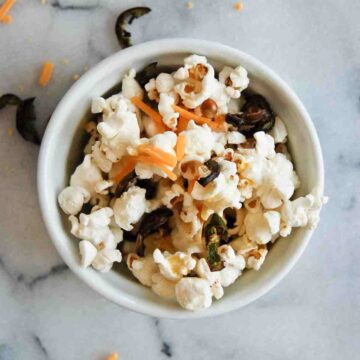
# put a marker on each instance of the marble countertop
(47, 313)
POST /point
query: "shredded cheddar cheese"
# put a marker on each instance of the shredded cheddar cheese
(182, 124)
(46, 73)
(191, 185)
(158, 163)
(161, 155)
(153, 115)
(188, 115)
(5, 8)
(113, 356)
(128, 167)
(238, 6)
(7, 19)
(180, 147)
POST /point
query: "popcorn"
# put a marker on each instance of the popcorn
(86, 175)
(162, 286)
(236, 80)
(158, 241)
(243, 245)
(102, 187)
(152, 92)
(166, 110)
(143, 268)
(149, 126)
(189, 167)
(213, 278)
(94, 228)
(279, 184)
(222, 192)
(189, 211)
(273, 220)
(72, 199)
(233, 265)
(278, 132)
(245, 188)
(130, 87)
(105, 258)
(193, 293)
(256, 258)
(164, 83)
(117, 232)
(112, 104)
(100, 200)
(239, 222)
(100, 159)
(260, 227)
(234, 137)
(220, 96)
(88, 147)
(174, 266)
(187, 237)
(130, 207)
(234, 106)
(264, 145)
(88, 253)
(98, 105)
(169, 195)
(197, 80)
(98, 245)
(251, 166)
(209, 191)
(274, 178)
(253, 205)
(101, 260)
(199, 141)
(303, 211)
(118, 130)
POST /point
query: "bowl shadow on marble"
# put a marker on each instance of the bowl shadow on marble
(62, 151)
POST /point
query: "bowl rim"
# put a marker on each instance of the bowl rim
(170, 46)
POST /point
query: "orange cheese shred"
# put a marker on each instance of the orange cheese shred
(191, 185)
(188, 115)
(158, 153)
(153, 115)
(220, 122)
(127, 168)
(180, 147)
(7, 19)
(158, 163)
(113, 356)
(46, 73)
(5, 8)
(182, 124)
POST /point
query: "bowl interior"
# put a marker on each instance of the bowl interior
(62, 150)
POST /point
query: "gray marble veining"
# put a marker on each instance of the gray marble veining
(47, 313)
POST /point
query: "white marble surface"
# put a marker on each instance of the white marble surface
(47, 313)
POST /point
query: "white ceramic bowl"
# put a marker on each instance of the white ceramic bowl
(61, 150)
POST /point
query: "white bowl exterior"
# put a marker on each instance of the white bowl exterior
(53, 175)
